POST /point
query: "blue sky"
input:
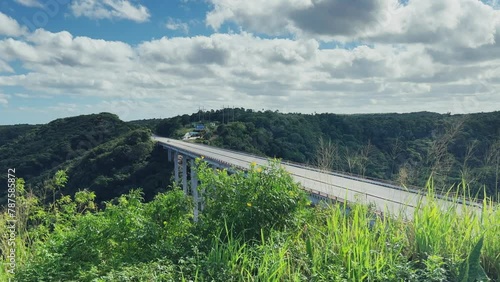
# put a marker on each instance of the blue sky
(151, 59)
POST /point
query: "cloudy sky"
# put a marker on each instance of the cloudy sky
(151, 58)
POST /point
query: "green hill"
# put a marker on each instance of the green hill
(11, 132)
(82, 145)
(126, 162)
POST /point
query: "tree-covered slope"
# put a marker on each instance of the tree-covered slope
(121, 164)
(61, 140)
(100, 152)
(11, 132)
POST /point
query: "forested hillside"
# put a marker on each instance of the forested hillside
(405, 148)
(124, 163)
(99, 152)
(11, 132)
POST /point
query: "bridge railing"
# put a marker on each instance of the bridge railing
(391, 184)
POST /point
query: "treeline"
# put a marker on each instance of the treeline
(405, 148)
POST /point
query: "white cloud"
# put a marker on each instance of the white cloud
(467, 23)
(43, 49)
(9, 26)
(319, 18)
(4, 67)
(4, 100)
(11, 49)
(110, 9)
(171, 75)
(453, 23)
(31, 96)
(176, 24)
(29, 3)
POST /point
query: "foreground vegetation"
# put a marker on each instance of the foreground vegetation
(257, 226)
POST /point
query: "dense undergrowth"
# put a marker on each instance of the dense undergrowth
(256, 226)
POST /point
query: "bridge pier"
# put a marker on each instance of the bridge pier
(184, 175)
(194, 190)
(319, 199)
(176, 166)
(182, 167)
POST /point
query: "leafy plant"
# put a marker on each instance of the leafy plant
(471, 269)
(259, 199)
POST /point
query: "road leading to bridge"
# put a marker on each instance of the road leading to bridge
(386, 198)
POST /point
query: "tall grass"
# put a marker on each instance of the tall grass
(333, 242)
(330, 244)
(451, 232)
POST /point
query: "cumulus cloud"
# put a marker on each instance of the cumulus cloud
(168, 75)
(326, 19)
(454, 23)
(110, 9)
(176, 24)
(4, 100)
(43, 49)
(338, 18)
(467, 23)
(29, 3)
(4, 67)
(9, 26)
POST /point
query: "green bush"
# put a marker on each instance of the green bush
(127, 233)
(262, 198)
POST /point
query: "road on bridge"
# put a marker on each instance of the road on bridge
(388, 199)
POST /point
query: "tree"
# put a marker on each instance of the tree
(468, 174)
(394, 153)
(261, 199)
(364, 157)
(439, 160)
(351, 159)
(168, 127)
(492, 159)
(327, 154)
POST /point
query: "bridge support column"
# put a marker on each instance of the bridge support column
(169, 154)
(184, 175)
(194, 190)
(202, 203)
(176, 166)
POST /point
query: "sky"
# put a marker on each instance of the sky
(160, 58)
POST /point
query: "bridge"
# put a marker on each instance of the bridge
(321, 185)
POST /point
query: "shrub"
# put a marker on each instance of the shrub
(248, 202)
